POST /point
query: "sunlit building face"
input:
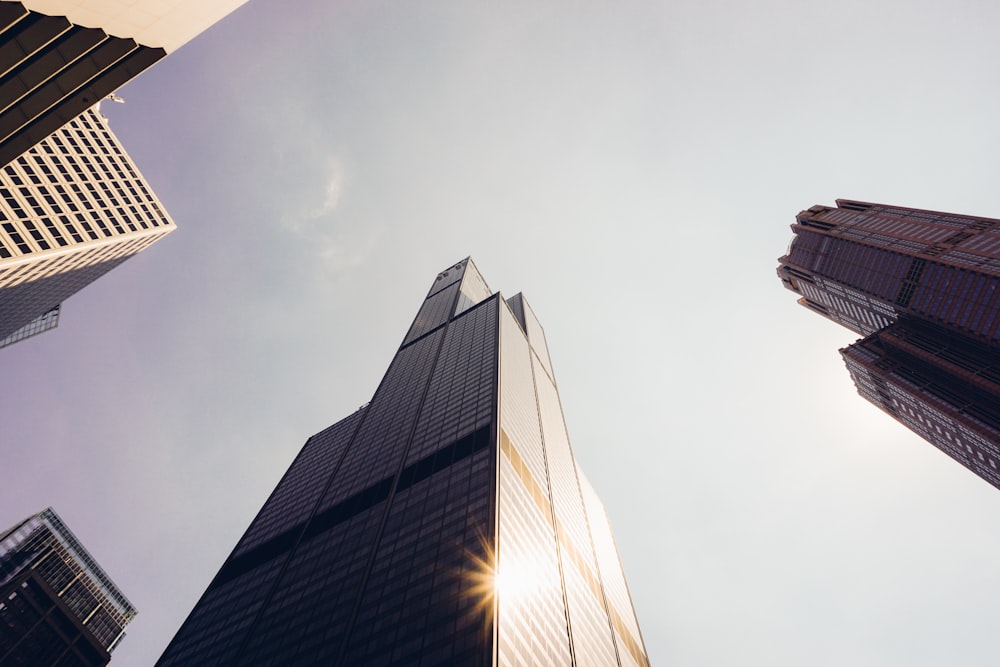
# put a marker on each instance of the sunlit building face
(444, 523)
(71, 209)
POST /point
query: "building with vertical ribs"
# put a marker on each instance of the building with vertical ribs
(71, 209)
(58, 58)
(923, 288)
(57, 606)
(443, 523)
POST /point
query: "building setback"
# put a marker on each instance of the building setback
(443, 523)
(57, 606)
(923, 288)
(71, 209)
(60, 57)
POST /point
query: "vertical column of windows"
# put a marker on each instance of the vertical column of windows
(460, 395)
(617, 596)
(536, 337)
(377, 450)
(435, 311)
(473, 289)
(220, 621)
(419, 602)
(518, 404)
(561, 466)
(434, 540)
(589, 622)
(295, 497)
(531, 611)
(266, 607)
(323, 575)
(417, 509)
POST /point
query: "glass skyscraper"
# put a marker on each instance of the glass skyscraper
(923, 288)
(443, 523)
(57, 606)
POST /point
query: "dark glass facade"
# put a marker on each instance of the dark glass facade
(444, 523)
(57, 606)
(923, 287)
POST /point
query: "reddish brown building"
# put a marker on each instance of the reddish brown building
(923, 287)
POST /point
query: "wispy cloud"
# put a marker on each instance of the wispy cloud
(334, 188)
(313, 222)
(301, 219)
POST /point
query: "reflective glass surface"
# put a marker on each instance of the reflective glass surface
(531, 616)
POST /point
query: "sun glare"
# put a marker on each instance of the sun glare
(507, 579)
(514, 580)
(482, 575)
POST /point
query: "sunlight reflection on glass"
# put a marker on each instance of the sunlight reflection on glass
(511, 581)
(482, 574)
(515, 579)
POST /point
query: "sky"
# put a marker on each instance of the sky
(633, 168)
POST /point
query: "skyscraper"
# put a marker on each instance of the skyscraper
(443, 523)
(71, 209)
(60, 57)
(57, 606)
(73, 205)
(923, 287)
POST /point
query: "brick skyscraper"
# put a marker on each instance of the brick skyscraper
(923, 287)
(444, 523)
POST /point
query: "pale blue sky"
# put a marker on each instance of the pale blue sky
(633, 168)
